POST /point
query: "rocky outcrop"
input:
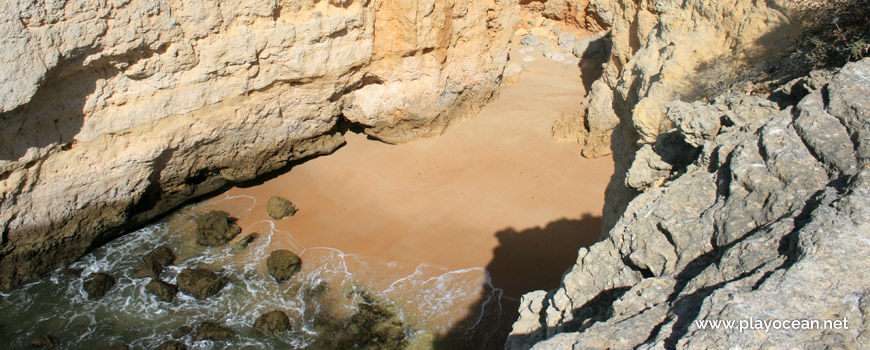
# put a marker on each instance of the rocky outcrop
(766, 221)
(153, 263)
(663, 51)
(116, 112)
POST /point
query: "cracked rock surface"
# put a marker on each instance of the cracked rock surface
(769, 221)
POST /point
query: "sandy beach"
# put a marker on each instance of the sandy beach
(460, 199)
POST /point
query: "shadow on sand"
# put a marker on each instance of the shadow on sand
(524, 261)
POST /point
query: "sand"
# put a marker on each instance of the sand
(459, 199)
(493, 192)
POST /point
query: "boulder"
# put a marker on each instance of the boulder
(164, 291)
(283, 264)
(172, 345)
(200, 283)
(152, 264)
(215, 228)
(162, 255)
(272, 322)
(212, 331)
(98, 285)
(279, 208)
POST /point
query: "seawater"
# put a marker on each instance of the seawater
(430, 301)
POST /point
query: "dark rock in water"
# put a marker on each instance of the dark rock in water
(118, 346)
(244, 242)
(172, 345)
(161, 255)
(147, 269)
(272, 322)
(212, 331)
(44, 342)
(279, 208)
(182, 331)
(200, 283)
(283, 264)
(98, 285)
(374, 326)
(164, 291)
(153, 263)
(215, 228)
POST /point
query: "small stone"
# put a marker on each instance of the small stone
(164, 291)
(215, 228)
(98, 285)
(272, 322)
(283, 264)
(212, 331)
(531, 40)
(172, 345)
(279, 208)
(200, 283)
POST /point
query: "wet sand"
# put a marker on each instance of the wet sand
(444, 200)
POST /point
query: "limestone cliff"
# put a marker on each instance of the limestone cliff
(754, 209)
(114, 112)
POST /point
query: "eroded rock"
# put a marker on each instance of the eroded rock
(279, 208)
(215, 228)
(98, 285)
(283, 264)
(164, 291)
(200, 283)
(153, 263)
(758, 223)
(272, 322)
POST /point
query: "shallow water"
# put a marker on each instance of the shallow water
(57, 305)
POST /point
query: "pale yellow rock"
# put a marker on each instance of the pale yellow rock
(115, 112)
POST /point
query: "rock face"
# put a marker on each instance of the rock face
(768, 220)
(116, 112)
(283, 264)
(279, 208)
(272, 322)
(659, 52)
(215, 228)
(200, 283)
(98, 285)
